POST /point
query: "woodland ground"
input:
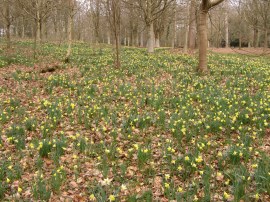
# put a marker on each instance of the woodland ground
(153, 130)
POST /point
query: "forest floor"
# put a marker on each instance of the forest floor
(243, 51)
(153, 130)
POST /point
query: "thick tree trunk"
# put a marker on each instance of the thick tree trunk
(203, 41)
(192, 25)
(151, 38)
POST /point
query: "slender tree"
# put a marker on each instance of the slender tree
(71, 13)
(113, 9)
(192, 25)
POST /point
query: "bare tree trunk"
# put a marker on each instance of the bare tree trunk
(69, 30)
(109, 37)
(192, 25)
(203, 41)
(174, 27)
(226, 29)
(44, 31)
(23, 28)
(151, 38)
(8, 24)
(38, 22)
(8, 36)
(117, 50)
(186, 39)
(255, 37)
(116, 23)
(38, 31)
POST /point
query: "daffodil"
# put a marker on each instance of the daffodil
(226, 195)
(167, 185)
(257, 196)
(180, 190)
(219, 154)
(92, 197)
(186, 158)
(254, 165)
(111, 198)
(199, 159)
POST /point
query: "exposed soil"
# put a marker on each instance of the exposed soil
(245, 51)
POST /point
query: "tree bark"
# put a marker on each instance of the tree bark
(192, 25)
(226, 29)
(69, 29)
(8, 36)
(8, 24)
(255, 37)
(151, 38)
(203, 41)
(38, 22)
(23, 28)
(38, 30)
(109, 37)
(117, 50)
(174, 27)
(186, 39)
